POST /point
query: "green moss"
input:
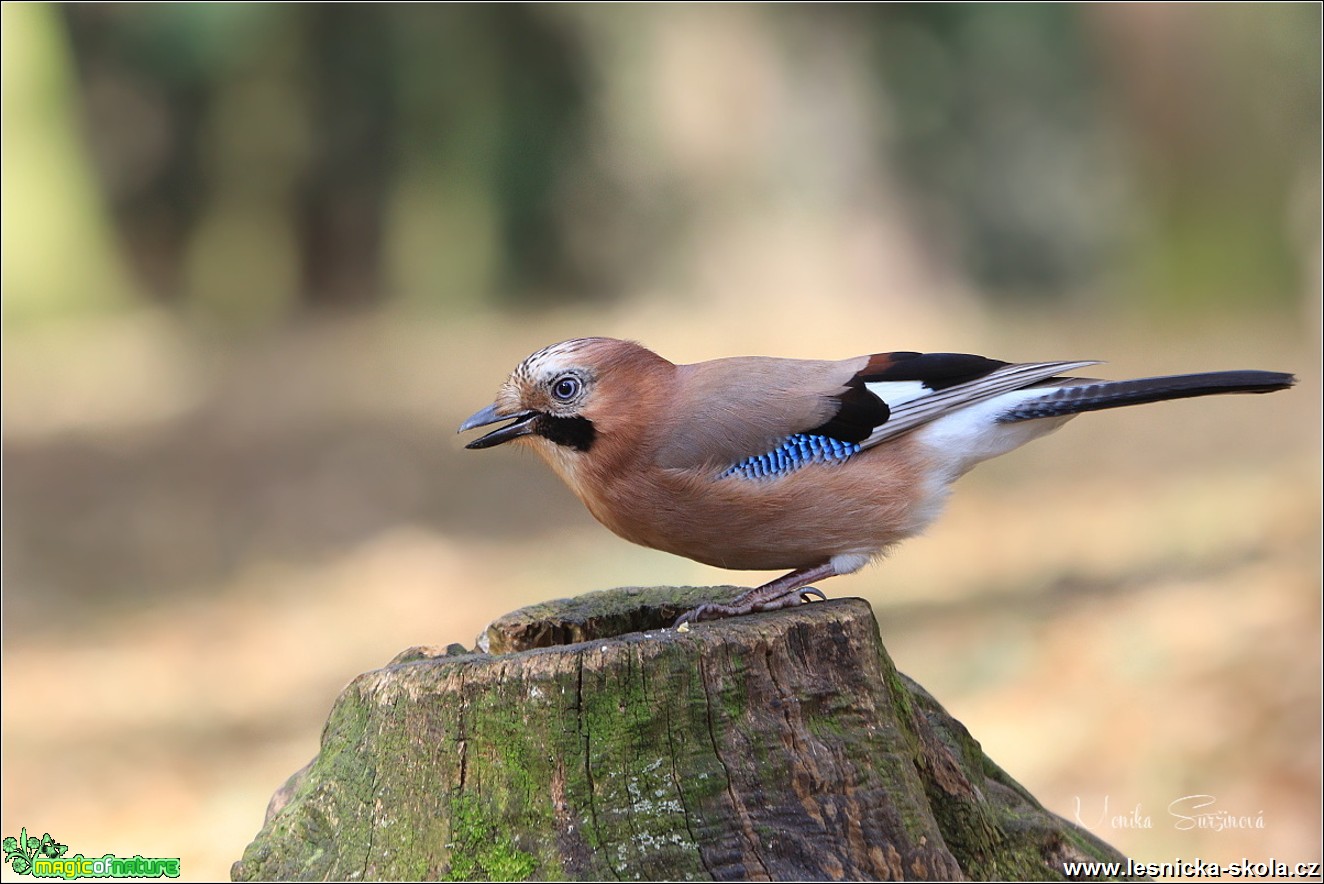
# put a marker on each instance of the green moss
(477, 850)
(898, 689)
(634, 714)
(733, 703)
(826, 726)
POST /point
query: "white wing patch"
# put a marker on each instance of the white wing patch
(896, 393)
(907, 415)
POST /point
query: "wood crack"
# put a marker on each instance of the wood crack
(680, 793)
(585, 740)
(737, 807)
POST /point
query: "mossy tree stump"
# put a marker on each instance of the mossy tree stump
(588, 742)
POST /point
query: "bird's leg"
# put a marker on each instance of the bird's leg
(784, 592)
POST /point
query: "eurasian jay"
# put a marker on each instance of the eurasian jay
(818, 466)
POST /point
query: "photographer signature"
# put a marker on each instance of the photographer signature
(1188, 812)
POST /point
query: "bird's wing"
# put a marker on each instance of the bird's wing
(726, 410)
(919, 387)
(730, 412)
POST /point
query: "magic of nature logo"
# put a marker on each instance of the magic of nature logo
(45, 857)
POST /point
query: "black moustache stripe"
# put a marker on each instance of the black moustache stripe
(573, 432)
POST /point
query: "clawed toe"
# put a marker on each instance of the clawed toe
(694, 615)
(752, 602)
(711, 611)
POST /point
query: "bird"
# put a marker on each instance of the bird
(816, 466)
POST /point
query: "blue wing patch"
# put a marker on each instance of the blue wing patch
(797, 451)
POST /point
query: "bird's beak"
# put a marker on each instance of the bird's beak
(522, 426)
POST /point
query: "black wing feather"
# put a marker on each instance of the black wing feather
(937, 371)
(861, 412)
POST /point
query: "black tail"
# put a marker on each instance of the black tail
(1114, 394)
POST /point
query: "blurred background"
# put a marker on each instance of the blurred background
(260, 260)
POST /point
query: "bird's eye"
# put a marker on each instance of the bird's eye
(565, 387)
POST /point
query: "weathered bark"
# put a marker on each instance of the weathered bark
(781, 746)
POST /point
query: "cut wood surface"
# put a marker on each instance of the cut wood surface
(584, 740)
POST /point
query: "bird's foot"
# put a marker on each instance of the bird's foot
(752, 602)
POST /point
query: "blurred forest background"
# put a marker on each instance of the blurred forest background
(260, 260)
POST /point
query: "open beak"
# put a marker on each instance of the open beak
(522, 426)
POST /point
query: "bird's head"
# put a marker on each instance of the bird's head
(565, 398)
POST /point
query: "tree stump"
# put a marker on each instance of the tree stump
(586, 741)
